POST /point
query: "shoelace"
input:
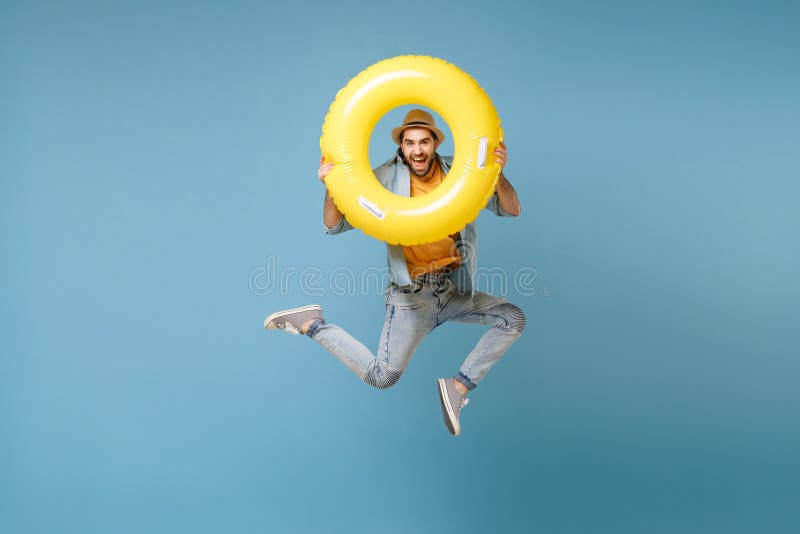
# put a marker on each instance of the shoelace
(289, 327)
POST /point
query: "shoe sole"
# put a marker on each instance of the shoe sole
(287, 312)
(450, 420)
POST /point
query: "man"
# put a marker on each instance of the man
(430, 283)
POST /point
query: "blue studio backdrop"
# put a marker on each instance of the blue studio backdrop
(159, 199)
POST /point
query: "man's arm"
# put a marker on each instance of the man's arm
(330, 213)
(506, 195)
(333, 220)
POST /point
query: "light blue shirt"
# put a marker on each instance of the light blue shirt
(395, 177)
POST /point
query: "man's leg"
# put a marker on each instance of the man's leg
(506, 320)
(408, 320)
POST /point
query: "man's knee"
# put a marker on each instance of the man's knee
(514, 316)
(381, 377)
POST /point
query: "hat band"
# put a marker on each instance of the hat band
(417, 123)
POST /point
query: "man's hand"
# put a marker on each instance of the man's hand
(324, 169)
(501, 155)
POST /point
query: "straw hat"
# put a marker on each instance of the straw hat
(417, 118)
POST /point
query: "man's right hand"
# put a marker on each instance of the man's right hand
(324, 169)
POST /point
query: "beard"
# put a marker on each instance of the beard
(422, 168)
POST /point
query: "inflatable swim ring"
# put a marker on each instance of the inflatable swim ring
(474, 124)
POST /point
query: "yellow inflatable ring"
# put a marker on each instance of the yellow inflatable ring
(473, 122)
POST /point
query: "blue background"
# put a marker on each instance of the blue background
(155, 155)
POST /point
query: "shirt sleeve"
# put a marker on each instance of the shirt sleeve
(494, 206)
(342, 226)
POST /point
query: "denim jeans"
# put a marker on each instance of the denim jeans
(411, 313)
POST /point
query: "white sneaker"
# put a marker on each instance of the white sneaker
(452, 402)
(292, 320)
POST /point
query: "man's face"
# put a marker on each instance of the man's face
(418, 148)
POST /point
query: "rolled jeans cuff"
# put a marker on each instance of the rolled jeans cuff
(312, 329)
(464, 379)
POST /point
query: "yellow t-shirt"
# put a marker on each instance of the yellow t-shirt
(421, 259)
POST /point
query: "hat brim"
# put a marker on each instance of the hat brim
(399, 130)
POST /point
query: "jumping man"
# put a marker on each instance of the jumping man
(429, 284)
